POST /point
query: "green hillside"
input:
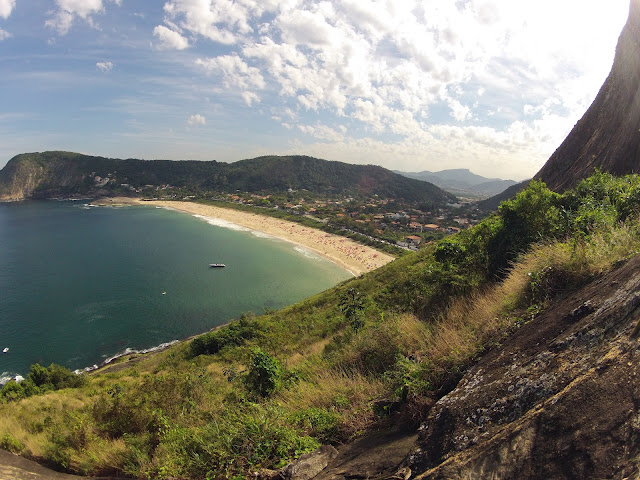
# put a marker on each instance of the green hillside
(64, 174)
(266, 389)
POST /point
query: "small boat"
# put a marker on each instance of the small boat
(217, 265)
(5, 349)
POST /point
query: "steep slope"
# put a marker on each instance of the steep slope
(607, 136)
(64, 174)
(559, 399)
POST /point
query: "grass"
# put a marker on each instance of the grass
(181, 414)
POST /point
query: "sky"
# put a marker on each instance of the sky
(489, 85)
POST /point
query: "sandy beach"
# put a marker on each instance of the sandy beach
(350, 255)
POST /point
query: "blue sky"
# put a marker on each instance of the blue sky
(489, 85)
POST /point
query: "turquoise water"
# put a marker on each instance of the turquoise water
(81, 284)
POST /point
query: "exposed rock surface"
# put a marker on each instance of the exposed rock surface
(14, 467)
(378, 455)
(559, 399)
(310, 464)
(607, 136)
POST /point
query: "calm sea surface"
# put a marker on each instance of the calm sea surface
(81, 284)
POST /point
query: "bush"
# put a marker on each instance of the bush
(318, 422)
(117, 414)
(41, 380)
(11, 444)
(239, 440)
(54, 377)
(234, 334)
(264, 375)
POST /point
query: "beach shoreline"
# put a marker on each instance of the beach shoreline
(346, 253)
(350, 255)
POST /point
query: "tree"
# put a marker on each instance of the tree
(352, 305)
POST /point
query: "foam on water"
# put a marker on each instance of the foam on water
(8, 376)
(217, 222)
(306, 253)
(126, 351)
(259, 234)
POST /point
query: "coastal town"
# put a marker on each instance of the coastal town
(402, 224)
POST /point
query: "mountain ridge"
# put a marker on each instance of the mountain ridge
(67, 174)
(461, 181)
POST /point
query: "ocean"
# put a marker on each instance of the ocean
(80, 284)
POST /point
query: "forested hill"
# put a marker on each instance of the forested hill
(66, 174)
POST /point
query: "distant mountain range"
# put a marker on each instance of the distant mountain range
(462, 181)
(67, 174)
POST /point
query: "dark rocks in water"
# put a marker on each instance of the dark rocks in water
(607, 136)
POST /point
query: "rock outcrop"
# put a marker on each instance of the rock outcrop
(559, 399)
(607, 136)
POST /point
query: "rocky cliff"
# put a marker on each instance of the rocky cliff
(53, 173)
(607, 136)
(559, 399)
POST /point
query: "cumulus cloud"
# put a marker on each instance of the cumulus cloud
(104, 66)
(236, 74)
(6, 6)
(169, 39)
(68, 10)
(197, 119)
(406, 68)
(4, 34)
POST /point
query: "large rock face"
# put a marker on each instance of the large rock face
(607, 136)
(560, 399)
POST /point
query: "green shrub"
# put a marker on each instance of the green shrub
(117, 413)
(317, 422)
(41, 380)
(264, 374)
(11, 444)
(54, 377)
(234, 334)
(408, 378)
(239, 440)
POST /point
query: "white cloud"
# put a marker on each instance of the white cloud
(6, 6)
(197, 119)
(4, 34)
(236, 74)
(169, 39)
(475, 80)
(458, 111)
(104, 66)
(218, 20)
(68, 10)
(322, 132)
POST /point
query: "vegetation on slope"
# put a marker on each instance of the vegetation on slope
(51, 174)
(266, 389)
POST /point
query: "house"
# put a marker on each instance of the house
(431, 227)
(413, 240)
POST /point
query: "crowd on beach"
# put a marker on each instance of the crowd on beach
(326, 243)
(351, 255)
